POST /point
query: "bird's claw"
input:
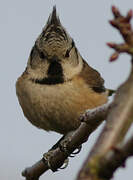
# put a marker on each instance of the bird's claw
(63, 147)
(47, 157)
(77, 151)
(65, 164)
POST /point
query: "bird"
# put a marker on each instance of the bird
(58, 85)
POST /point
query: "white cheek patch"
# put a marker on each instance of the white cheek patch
(70, 71)
(39, 73)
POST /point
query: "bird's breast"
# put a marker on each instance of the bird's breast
(57, 107)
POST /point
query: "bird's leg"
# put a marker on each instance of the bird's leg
(62, 144)
(58, 143)
(64, 141)
(50, 154)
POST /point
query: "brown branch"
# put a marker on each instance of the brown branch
(122, 24)
(90, 120)
(35, 171)
(121, 116)
(88, 125)
(116, 158)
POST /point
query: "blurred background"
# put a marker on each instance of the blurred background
(21, 22)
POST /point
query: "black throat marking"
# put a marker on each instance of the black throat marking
(49, 81)
(55, 75)
(55, 68)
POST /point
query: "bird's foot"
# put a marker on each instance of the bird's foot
(47, 158)
(64, 147)
(77, 151)
(65, 164)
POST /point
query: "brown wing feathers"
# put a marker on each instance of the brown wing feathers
(92, 78)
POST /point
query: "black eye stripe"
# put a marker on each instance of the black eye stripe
(67, 53)
(41, 55)
(69, 50)
(32, 54)
(73, 44)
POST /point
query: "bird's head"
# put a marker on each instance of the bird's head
(54, 53)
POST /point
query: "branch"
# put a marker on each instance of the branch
(89, 122)
(122, 24)
(116, 158)
(121, 116)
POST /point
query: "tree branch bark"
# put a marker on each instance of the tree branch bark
(106, 152)
(79, 136)
(116, 158)
(121, 116)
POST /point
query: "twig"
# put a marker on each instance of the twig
(35, 171)
(121, 116)
(122, 24)
(116, 158)
(78, 137)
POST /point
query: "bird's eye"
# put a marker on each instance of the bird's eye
(67, 53)
(41, 55)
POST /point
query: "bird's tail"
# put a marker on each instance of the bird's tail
(111, 92)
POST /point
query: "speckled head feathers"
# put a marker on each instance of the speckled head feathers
(54, 38)
(53, 18)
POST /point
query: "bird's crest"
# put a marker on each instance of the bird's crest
(53, 18)
(54, 38)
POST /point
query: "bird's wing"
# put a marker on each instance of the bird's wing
(92, 78)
